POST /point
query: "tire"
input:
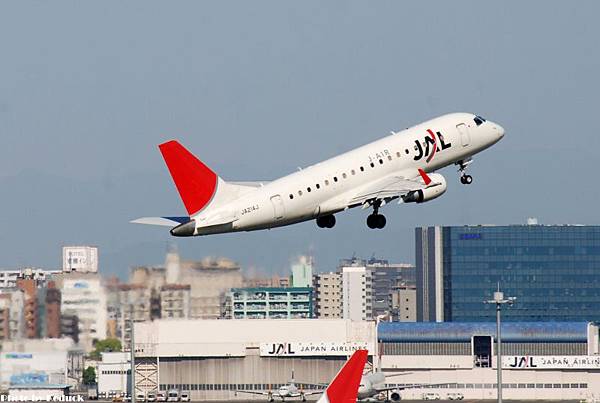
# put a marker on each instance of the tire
(372, 221)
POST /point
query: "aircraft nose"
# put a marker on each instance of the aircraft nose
(499, 131)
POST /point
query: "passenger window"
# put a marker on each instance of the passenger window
(353, 172)
(318, 186)
(372, 165)
(335, 178)
(381, 161)
(308, 189)
(291, 196)
(362, 169)
(299, 193)
(344, 175)
(398, 154)
(326, 182)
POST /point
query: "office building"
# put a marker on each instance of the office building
(83, 296)
(8, 278)
(209, 279)
(302, 272)
(175, 301)
(328, 295)
(356, 292)
(404, 300)
(552, 270)
(385, 278)
(4, 317)
(270, 303)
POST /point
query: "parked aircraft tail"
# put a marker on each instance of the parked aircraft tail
(344, 387)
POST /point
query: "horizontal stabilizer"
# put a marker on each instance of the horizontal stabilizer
(163, 221)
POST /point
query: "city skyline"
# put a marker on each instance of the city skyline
(81, 116)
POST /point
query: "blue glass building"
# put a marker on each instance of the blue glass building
(553, 271)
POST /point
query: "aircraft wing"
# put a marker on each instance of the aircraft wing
(413, 386)
(257, 392)
(392, 187)
(313, 392)
(251, 184)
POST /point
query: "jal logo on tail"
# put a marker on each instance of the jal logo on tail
(430, 146)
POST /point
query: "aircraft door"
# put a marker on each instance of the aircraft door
(465, 137)
(278, 210)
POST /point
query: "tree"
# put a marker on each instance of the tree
(106, 345)
(89, 376)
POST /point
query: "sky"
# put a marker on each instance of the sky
(257, 89)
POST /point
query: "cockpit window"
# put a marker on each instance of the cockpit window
(478, 120)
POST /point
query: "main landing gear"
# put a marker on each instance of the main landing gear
(462, 168)
(326, 221)
(376, 220)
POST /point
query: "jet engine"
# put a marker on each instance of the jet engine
(429, 193)
(395, 396)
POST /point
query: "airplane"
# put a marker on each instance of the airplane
(343, 388)
(285, 391)
(372, 387)
(397, 167)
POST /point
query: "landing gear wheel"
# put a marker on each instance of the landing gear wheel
(326, 221)
(466, 179)
(372, 221)
(381, 221)
(376, 221)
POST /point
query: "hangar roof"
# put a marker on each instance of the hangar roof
(512, 332)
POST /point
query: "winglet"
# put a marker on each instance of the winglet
(344, 387)
(425, 177)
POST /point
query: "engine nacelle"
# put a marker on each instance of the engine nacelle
(430, 193)
(395, 396)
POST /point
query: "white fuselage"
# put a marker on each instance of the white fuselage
(326, 187)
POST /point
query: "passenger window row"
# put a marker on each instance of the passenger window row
(344, 176)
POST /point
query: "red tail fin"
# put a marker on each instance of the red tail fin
(344, 387)
(195, 182)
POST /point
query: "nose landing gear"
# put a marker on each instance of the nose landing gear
(462, 168)
(466, 179)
